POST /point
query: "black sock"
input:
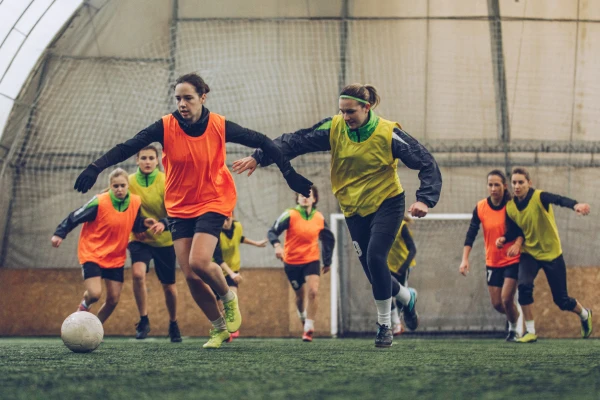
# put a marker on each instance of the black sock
(144, 318)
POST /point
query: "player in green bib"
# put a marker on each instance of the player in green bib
(365, 150)
(530, 214)
(149, 183)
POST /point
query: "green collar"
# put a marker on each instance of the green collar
(146, 180)
(303, 212)
(364, 132)
(119, 205)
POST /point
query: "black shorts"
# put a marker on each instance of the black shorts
(210, 223)
(230, 282)
(296, 273)
(164, 260)
(496, 275)
(92, 270)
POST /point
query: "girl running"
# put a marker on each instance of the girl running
(364, 153)
(502, 267)
(530, 213)
(107, 219)
(199, 191)
(304, 227)
(149, 183)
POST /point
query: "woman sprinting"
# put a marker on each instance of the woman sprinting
(502, 267)
(365, 149)
(107, 219)
(199, 191)
(530, 213)
(304, 227)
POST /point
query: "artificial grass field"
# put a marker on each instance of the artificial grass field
(123, 368)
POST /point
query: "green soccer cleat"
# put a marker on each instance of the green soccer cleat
(217, 337)
(411, 316)
(527, 338)
(233, 317)
(586, 326)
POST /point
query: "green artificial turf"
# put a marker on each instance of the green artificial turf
(290, 369)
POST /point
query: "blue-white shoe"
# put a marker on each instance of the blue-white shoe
(411, 317)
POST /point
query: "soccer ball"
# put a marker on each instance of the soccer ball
(82, 332)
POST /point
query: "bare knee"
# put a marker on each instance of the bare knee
(112, 301)
(508, 302)
(498, 306)
(93, 295)
(312, 293)
(139, 275)
(170, 289)
(200, 267)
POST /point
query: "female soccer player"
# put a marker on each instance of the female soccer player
(401, 260)
(304, 227)
(531, 212)
(227, 254)
(149, 183)
(107, 221)
(502, 267)
(199, 191)
(364, 152)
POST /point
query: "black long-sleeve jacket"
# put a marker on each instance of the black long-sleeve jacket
(404, 147)
(325, 236)
(155, 133)
(410, 245)
(88, 213)
(512, 229)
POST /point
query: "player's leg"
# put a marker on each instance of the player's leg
(528, 270)
(509, 289)
(397, 306)
(296, 279)
(312, 278)
(165, 267)
(206, 232)
(140, 260)
(113, 279)
(183, 232)
(233, 286)
(92, 275)
(495, 280)
(556, 273)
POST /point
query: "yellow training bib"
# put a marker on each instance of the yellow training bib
(231, 247)
(399, 252)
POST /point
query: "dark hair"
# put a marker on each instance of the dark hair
(315, 193)
(196, 81)
(521, 171)
(367, 93)
(500, 174)
(149, 147)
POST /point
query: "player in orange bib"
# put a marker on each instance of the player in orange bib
(199, 191)
(107, 220)
(502, 266)
(304, 227)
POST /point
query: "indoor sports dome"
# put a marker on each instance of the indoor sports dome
(481, 84)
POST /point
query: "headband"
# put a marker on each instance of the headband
(354, 98)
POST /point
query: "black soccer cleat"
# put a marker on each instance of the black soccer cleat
(384, 337)
(174, 333)
(512, 336)
(411, 317)
(142, 329)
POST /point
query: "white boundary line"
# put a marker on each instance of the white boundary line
(335, 262)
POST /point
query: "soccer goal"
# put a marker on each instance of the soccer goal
(448, 302)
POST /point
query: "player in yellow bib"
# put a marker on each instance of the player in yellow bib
(401, 261)
(530, 215)
(365, 150)
(149, 183)
(227, 255)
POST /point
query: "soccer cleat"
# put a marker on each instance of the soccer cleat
(384, 337)
(174, 332)
(586, 326)
(411, 317)
(512, 336)
(527, 338)
(233, 317)
(397, 329)
(142, 328)
(217, 337)
(307, 336)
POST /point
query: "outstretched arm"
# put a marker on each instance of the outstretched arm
(86, 213)
(469, 240)
(412, 249)
(121, 152)
(562, 201)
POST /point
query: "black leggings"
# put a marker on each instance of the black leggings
(372, 237)
(556, 273)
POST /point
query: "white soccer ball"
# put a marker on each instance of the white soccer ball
(82, 332)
